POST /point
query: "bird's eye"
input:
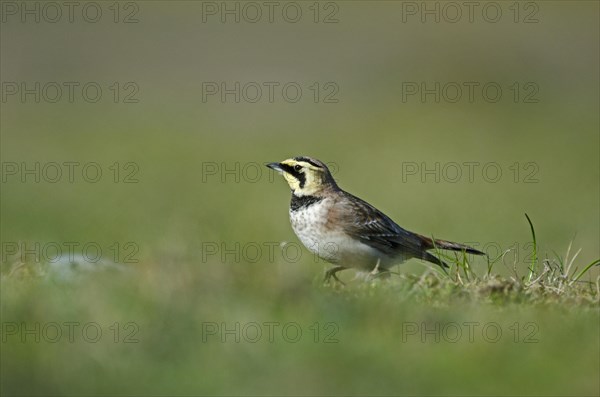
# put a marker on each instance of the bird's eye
(297, 167)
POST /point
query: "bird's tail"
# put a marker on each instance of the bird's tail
(428, 243)
(449, 245)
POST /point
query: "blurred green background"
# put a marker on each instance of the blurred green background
(185, 200)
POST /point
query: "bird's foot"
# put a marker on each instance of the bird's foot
(332, 273)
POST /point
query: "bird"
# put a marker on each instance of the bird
(345, 230)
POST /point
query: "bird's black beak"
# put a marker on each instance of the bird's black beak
(275, 166)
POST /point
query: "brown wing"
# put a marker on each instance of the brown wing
(372, 227)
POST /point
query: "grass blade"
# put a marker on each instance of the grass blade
(532, 269)
(585, 269)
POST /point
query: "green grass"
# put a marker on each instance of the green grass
(554, 279)
(428, 332)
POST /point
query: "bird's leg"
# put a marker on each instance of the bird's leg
(332, 273)
(378, 272)
(375, 271)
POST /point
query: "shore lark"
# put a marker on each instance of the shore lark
(347, 231)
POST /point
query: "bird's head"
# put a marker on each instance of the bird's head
(306, 176)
